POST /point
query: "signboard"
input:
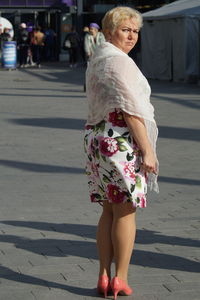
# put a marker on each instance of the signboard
(9, 55)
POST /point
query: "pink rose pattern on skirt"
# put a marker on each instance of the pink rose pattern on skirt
(113, 163)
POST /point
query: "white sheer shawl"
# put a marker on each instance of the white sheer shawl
(114, 81)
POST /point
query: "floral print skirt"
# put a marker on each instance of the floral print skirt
(113, 163)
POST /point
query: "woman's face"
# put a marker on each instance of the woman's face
(93, 31)
(126, 35)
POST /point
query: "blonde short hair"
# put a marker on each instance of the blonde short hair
(114, 17)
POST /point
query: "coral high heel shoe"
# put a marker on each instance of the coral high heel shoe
(103, 285)
(120, 286)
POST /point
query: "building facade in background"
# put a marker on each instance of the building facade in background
(60, 14)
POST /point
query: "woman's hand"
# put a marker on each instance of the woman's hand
(138, 130)
(149, 162)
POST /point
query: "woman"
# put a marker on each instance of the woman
(120, 142)
(92, 40)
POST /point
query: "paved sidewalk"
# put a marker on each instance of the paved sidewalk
(47, 224)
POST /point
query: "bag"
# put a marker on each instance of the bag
(23, 37)
(74, 39)
(67, 44)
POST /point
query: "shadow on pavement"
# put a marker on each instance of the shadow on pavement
(70, 90)
(43, 96)
(78, 124)
(184, 181)
(40, 168)
(61, 123)
(9, 274)
(66, 75)
(179, 133)
(44, 168)
(87, 249)
(89, 231)
(184, 102)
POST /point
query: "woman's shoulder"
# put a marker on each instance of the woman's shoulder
(123, 67)
(121, 62)
(87, 36)
(122, 58)
(100, 34)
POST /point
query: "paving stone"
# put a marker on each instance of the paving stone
(183, 286)
(16, 294)
(182, 295)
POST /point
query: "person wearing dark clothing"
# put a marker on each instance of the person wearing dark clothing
(23, 45)
(72, 44)
(49, 44)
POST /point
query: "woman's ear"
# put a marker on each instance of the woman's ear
(108, 36)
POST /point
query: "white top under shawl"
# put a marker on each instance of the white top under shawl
(114, 81)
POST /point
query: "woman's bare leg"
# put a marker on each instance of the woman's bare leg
(123, 236)
(104, 241)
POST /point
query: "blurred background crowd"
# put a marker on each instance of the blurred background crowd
(69, 30)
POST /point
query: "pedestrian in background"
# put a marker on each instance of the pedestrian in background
(49, 44)
(30, 52)
(72, 43)
(23, 43)
(120, 142)
(37, 42)
(93, 39)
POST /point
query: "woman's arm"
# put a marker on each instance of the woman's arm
(138, 130)
(87, 45)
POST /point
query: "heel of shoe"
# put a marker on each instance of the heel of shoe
(103, 285)
(103, 292)
(120, 286)
(115, 294)
(115, 287)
